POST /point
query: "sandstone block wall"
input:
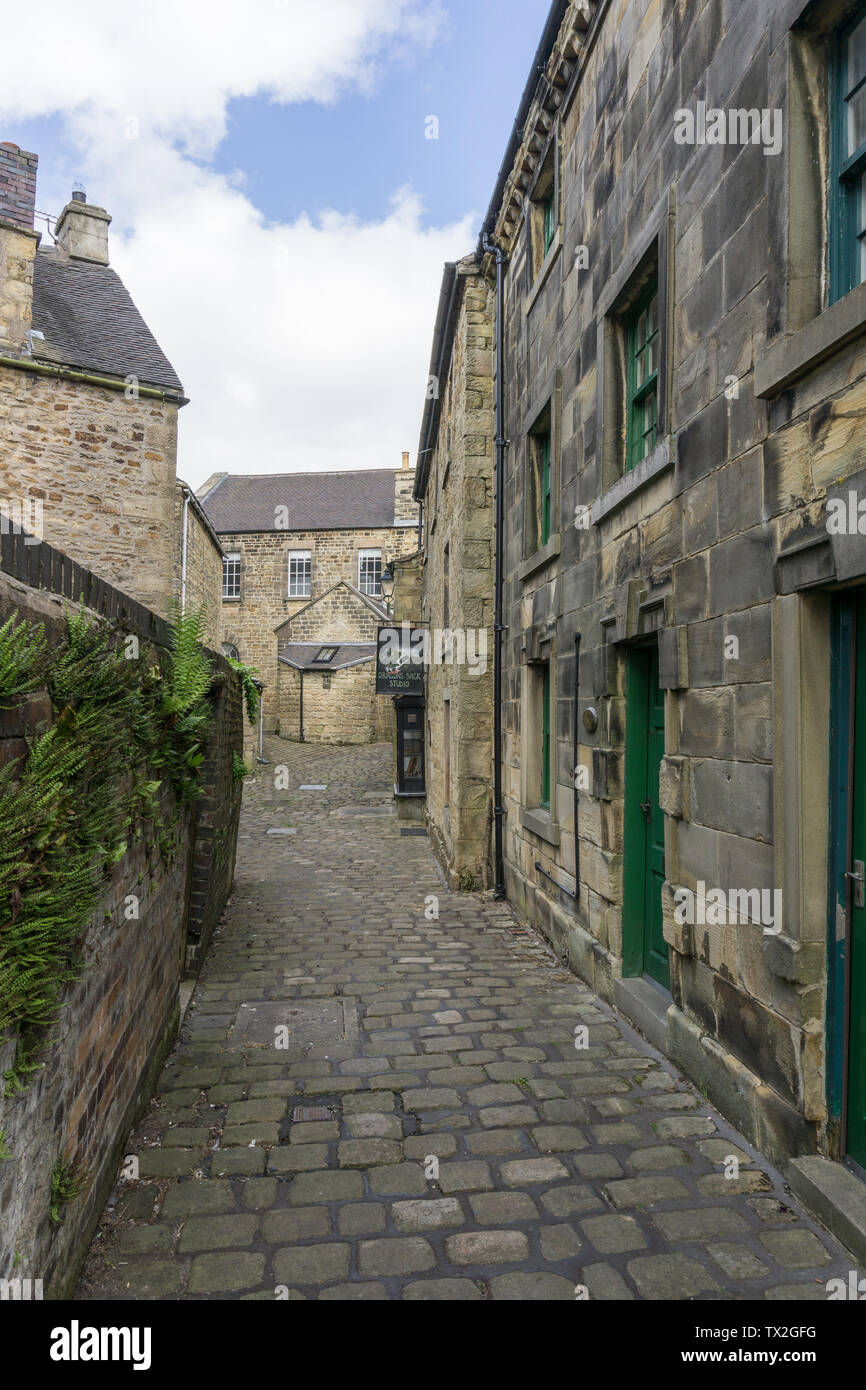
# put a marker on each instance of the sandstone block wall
(103, 468)
(204, 568)
(720, 534)
(458, 509)
(339, 706)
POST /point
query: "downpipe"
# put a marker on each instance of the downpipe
(491, 248)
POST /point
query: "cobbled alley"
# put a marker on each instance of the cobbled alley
(367, 1102)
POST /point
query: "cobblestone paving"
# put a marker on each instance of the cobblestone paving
(432, 1131)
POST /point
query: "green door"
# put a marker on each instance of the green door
(645, 951)
(856, 1087)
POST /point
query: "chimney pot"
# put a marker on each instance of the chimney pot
(405, 458)
(79, 193)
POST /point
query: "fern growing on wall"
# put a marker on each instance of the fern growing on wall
(124, 727)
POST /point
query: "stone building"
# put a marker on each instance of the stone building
(679, 221)
(88, 400)
(302, 594)
(454, 484)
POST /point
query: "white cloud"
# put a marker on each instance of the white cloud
(301, 346)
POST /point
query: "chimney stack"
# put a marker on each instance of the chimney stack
(17, 185)
(405, 458)
(82, 229)
(18, 243)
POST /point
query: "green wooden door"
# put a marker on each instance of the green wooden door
(856, 1088)
(645, 951)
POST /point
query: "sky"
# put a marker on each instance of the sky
(280, 214)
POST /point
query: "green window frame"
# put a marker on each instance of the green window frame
(545, 736)
(545, 490)
(643, 343)
(549, 219)
(848, 158)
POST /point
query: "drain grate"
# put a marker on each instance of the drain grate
(413, 832)
(311, 1112)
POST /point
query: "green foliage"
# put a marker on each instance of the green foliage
(23, 660)
(250, 689)
(123, 729)
(467, 881)
(5, 1151)
(239, 769)
(184, 708)
(66, 1182)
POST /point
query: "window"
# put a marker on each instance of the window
(539, 485)
(848, 158)
(300, 572)
(549, 220)
(232, 576)
(543, 211)
(545, 735)
(370, 572)
(325, 654)
(643, 378)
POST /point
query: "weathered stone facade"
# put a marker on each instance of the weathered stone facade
(711, 551)
(455, 484)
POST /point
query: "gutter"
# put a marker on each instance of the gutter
(89, 379)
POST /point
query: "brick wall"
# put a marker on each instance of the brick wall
(116, 1022)
(17, 184)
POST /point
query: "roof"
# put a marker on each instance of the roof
(546, 43)
(90, 322)
(313, 501)
(301, 654)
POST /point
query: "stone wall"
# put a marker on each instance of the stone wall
(103, 468)
(117, 1022)
(204, 567)
(339, 706)
(250, 623)
(458, 511)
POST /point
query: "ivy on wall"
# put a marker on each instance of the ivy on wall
(128, 726)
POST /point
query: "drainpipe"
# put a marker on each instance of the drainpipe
(183, 557)
(498, 628)
(577, 637)
(301, 711)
